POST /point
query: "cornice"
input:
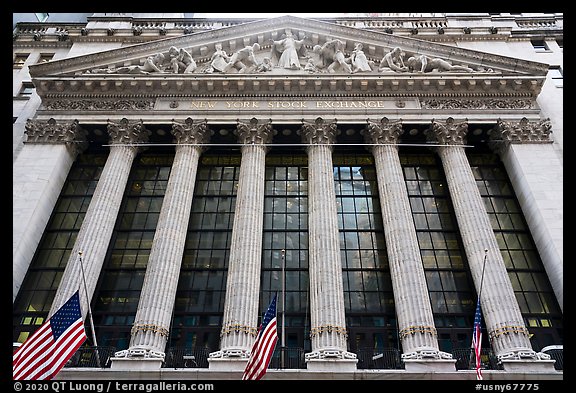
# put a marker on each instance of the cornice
(298, 85)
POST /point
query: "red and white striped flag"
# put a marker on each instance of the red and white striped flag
(477, 340)
(44, 353)
(263, 348)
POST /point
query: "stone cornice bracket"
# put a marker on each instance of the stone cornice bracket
(384, 132)
(253, 133)
(126, 132)
(52, 132)
(448, 133)
(523, 131)
(191, 133)
(319, 132)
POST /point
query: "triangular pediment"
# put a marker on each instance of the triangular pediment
(310, 34)
(325, 56)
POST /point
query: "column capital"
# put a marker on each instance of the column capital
(448, 133)
(53, 132)
(253, 133)
(523, 131)
(319, 132)
(127, 132)
(191, 133)
(384, 132)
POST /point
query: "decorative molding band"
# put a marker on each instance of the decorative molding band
(508, 329)
(141, 327)
(100, 105)
(411, 330)
(237, 328)
(477, 104)
(328, 329)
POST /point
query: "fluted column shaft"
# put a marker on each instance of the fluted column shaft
(507, 332)
(240, 320)
(328, 325)
(98, 224)
(412, 302)
(152, 323)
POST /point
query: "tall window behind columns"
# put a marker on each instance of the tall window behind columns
(116, 297)
(199, 306)
(368, 296)
(286, 228)
(452, 293)
(538, 305)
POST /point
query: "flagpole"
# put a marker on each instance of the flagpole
(480, 292)
(89, 310)
(283, 343)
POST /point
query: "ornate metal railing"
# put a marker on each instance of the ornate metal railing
(178, 357)
(374, 358)
(284, 358)
(465, 359)
(92, 357)
(556, 352)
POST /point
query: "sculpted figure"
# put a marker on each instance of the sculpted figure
(266, 65)
(359, 60)
(332, 55)
(151, 64)
(393, 61)
(219, 60)
(181, 61)
(244, 60)
(423, 63)
(287, 51)
(311, 66)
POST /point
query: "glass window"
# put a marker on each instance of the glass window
(19, 60)
(539, 45)
(27, 89)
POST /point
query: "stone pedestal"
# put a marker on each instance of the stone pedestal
(430, 365)
(332, 365)
(136, 364)
(227, 364)
(528, 365)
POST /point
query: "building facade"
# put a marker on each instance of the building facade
(379, 173)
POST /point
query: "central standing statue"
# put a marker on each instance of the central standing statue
(287, 51)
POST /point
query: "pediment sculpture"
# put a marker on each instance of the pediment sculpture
(289, 54)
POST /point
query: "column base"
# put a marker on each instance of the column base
(335, 360)
(136, 364)
(433, 365)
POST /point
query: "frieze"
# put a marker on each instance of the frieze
(100, 105)
(477, 104)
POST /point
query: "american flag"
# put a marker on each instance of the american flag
(44, 353)
(264, 346)
(477, 340)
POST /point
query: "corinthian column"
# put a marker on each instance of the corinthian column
(98, 224)
(506, 330)
(240, 320)
(328, 324)
(38, 174)
(412, 302)
(152, 323)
